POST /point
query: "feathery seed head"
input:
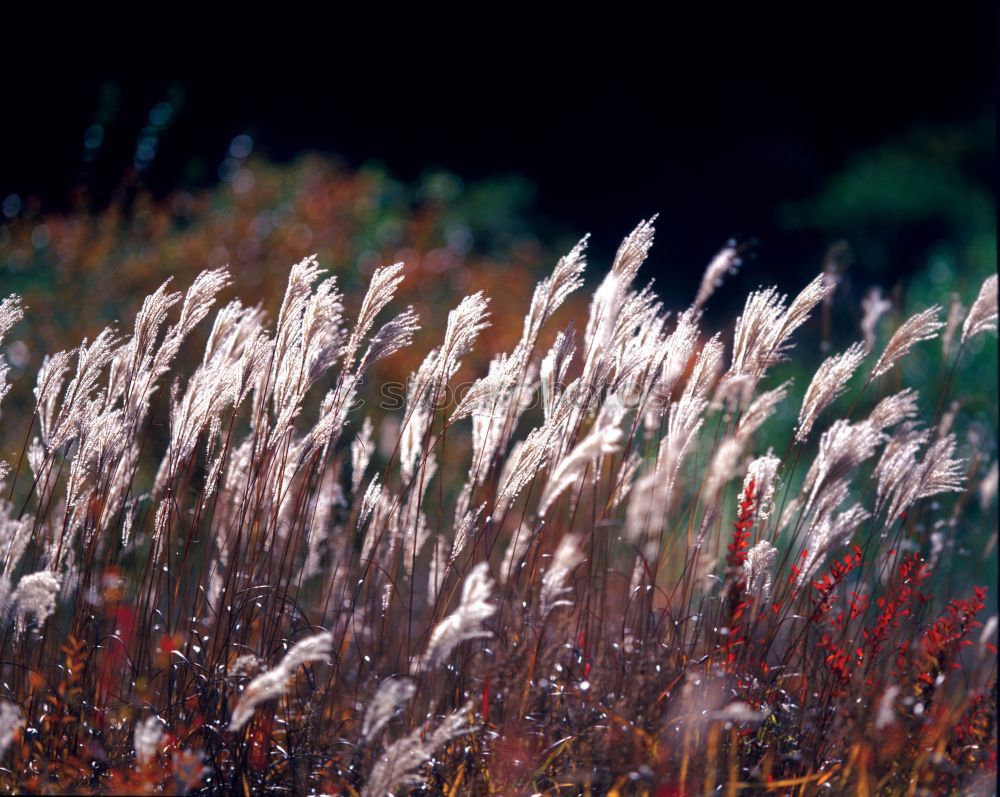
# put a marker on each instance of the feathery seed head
(922, 326)
(982, 315)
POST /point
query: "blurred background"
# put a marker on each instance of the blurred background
(791, 131)
(860, 140)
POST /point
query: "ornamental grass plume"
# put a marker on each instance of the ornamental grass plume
(525, 556)
(396, 765)
(829, 382)
(727, 261)
(982, 315)
(465, 622)
(146, 740)
(565, 559)
(922, 326)
(35, 595)
(757, 569)
(391, 695)
(873, 307)
(274, 682)
(11, 720)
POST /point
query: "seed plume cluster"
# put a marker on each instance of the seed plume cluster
(614, 562)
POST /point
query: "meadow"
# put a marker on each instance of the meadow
(321, 550)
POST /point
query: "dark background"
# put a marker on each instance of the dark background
(711, 118)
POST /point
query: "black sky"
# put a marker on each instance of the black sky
(709, 117)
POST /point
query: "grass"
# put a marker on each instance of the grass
(279, 576)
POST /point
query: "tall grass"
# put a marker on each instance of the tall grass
(580, 574)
